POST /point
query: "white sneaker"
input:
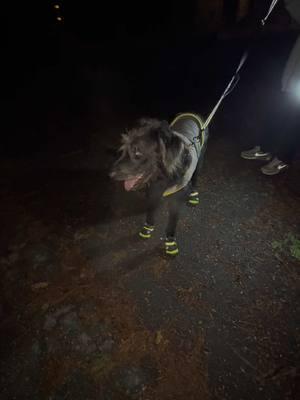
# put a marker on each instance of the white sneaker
(274, 167)
(256, 154)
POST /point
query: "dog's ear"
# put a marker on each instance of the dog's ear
(164, 132)
(162, 151)
(164, 135)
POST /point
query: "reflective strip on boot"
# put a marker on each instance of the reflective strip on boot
(146, 232)
(194, 198)
(171, 248)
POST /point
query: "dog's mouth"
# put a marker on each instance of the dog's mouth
(132, 183)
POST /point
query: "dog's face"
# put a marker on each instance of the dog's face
(144, 154)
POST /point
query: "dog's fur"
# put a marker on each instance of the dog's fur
(155, 158)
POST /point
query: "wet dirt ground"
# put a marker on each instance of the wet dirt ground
(88, 311)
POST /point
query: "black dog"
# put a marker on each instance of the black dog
(165, 159)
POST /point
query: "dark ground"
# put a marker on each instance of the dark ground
(90, 312)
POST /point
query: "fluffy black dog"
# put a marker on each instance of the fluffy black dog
(165, 159)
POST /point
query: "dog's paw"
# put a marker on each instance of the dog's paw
(146, 232)
(193, 199)
(171, 247)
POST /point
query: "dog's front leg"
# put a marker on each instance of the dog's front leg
(154, 195)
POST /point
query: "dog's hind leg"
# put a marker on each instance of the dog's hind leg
(175, 204)
(193, 198)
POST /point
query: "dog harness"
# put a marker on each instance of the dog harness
(189, 128)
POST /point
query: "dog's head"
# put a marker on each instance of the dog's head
(148, 152)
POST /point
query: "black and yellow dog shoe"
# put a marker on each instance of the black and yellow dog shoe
(193, 199)
(171, 247)
(146, 231)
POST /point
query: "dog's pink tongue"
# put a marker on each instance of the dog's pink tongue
(130, 183)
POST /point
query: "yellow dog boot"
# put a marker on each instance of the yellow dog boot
(146, 231)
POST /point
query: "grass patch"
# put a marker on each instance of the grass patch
(290, 245)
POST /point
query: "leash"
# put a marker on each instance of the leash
(271, 8)
(236, 77)
(230, 87)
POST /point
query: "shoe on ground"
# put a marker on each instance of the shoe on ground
(256, 154)
(274, 167)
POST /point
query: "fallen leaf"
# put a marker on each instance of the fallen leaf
(39, 285)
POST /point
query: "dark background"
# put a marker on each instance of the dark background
(133, 58)
(87, 311)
